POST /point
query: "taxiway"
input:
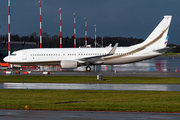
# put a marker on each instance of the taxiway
(104, 73)
(84, 115)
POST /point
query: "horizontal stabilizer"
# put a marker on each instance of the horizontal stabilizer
(164, 49)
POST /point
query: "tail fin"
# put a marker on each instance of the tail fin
(158, 38)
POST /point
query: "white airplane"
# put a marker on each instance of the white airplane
(153, 46)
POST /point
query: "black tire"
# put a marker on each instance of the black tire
(88, 69)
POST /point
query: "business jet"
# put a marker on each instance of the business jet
(153, 46)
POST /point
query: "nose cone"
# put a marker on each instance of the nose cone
(6, 59)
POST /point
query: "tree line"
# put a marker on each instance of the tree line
(68, 42)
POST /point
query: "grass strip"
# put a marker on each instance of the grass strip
(169, 53)
(87, 79)
(91, 100)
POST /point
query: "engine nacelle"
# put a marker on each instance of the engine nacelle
(67, 64)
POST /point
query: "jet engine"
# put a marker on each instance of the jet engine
(67, 64)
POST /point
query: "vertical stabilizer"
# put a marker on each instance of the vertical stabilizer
(158, 38)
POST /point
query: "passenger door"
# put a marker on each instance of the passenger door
(24, 55)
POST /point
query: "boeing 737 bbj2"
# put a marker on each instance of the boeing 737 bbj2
(153, 46)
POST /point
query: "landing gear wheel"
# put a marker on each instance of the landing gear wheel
(88, 69)
(21, 69)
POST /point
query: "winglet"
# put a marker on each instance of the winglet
(113, 49)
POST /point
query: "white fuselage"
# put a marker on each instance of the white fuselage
(53, 56)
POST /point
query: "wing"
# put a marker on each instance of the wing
(100, 57)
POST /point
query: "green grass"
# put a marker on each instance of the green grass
(88, 79)
(146, 101)
(169, 53)
(140, 101)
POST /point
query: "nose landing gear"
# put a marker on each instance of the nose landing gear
(88, 68)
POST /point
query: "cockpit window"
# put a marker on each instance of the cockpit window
(13, 54)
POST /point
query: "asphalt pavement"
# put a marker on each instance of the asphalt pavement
(83, 115)
(104, 73)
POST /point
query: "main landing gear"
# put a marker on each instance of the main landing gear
(88, 68)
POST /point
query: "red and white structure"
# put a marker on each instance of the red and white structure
(74, 30)
(9, 48)
(95, 35)
(40, 26)
(85, 31)
(60, 30)
(102, 41)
